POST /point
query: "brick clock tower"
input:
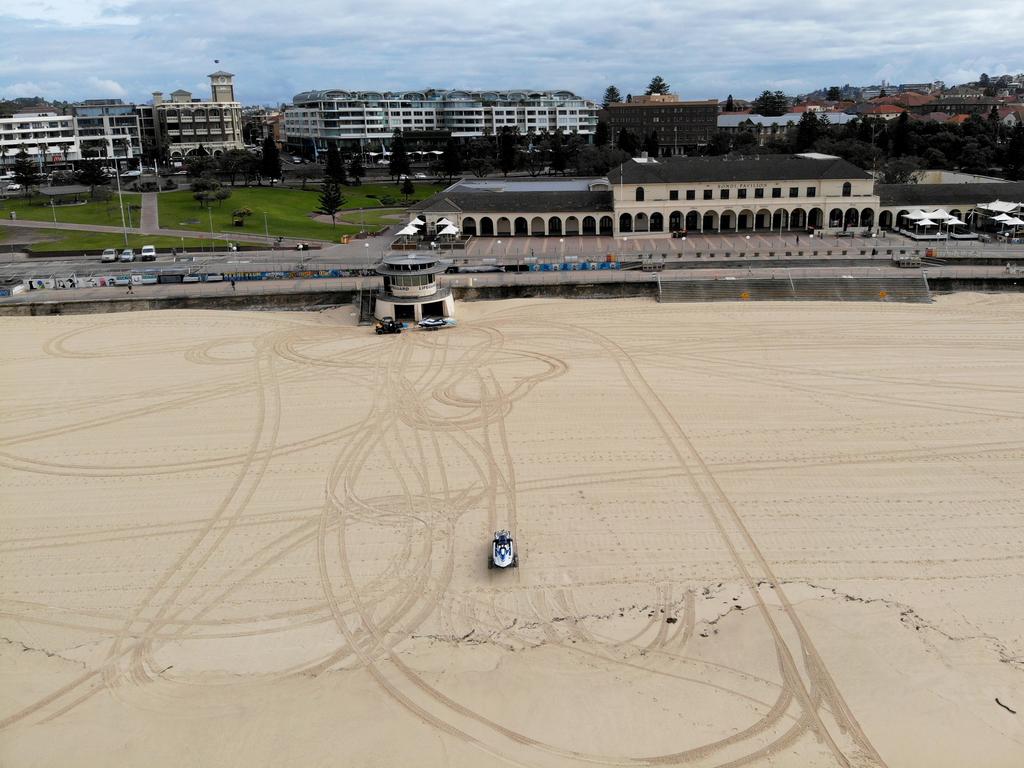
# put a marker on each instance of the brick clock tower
(223, 86)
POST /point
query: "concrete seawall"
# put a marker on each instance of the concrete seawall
(316, 300)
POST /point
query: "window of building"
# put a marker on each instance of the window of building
(847, 189)
(691, 194)
(639, 194)
(811, 191)
(776, 191)
(723, 194)
(741, 194)
(708, 195)
(759, 192)
(794, 191)
(673, 194)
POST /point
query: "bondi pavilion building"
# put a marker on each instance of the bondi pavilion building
(719, 195)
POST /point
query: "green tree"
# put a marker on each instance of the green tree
(808, 131)
(901, 170)
(559, 157)
(611, 96)
(204, 190)
(200, 165)
(26, 172)
(650, 145)
(398, 163)
(834, 94)
(900, 143)
(720, 144)
(508, 145)
(335, 168)
(628, 142)
(602, 135)
(451, 160)
(90, 174)
(270, 164)
(230, 163)
(239, 215)
(356, 170)
(771, 104)
(306, 173)
(221, 194)
(331, 200)
(657, 85)
(1013, 154)
(408, 190)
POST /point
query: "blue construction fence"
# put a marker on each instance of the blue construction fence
(574, 266)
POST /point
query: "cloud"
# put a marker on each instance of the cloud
(279, 49)
(102, 87)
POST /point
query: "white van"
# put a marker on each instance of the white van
(148, 253)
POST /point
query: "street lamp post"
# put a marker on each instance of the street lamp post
(266, 227)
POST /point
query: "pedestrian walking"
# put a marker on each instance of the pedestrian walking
(130, 288)
(798, 239)
(232, 283)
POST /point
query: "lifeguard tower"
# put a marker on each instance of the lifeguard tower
(410, 288)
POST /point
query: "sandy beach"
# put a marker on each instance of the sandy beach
(774, 534)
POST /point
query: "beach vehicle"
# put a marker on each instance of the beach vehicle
(387, 325)
(109, 254)
(503, 551)
(432, 323)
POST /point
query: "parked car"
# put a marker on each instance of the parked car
(130, 174)
(148, 253)
(419, 176)
(297, 160)
(14, 187)
(109, 254)
(128, 254)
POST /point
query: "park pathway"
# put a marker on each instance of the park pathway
(150, 220)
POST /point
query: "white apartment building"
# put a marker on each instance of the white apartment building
(107, 128)
(45, 136)
(361, 119)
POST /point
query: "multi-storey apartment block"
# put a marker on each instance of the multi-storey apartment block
(354, 120)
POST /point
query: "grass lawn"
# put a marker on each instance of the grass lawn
(382, 217)
(71, 240)
(106, 213)
(288, 211)
(360, 197)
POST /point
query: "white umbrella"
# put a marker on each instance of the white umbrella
(436, 152)
(449, 230)
(1003, 218)
(926, 223)
(443, 222)
(938, 213)
(418, 222)
(409, 230)
(915, 215)
(1015, 222)
(998, 205)
(953, 221)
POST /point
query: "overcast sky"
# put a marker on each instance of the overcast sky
(78, 49)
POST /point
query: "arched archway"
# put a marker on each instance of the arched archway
(850, 218)
(744, 220)
(522, 227)
(901, 219)
(815, 218)
(711, 221)
(639, 194)
(780, 220)
(798, 218)
(835, 218)
(657, 222)
(867, 217)
(885, 220)
(537, 226)
(675, 221)
(503, 228)
(692, 221)
(469, 226)
(486, 226)
(607, 225)
(641, 223)
(554, 226)
(589, 225)
(763, 219)
(625, 223)
(572, 226)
